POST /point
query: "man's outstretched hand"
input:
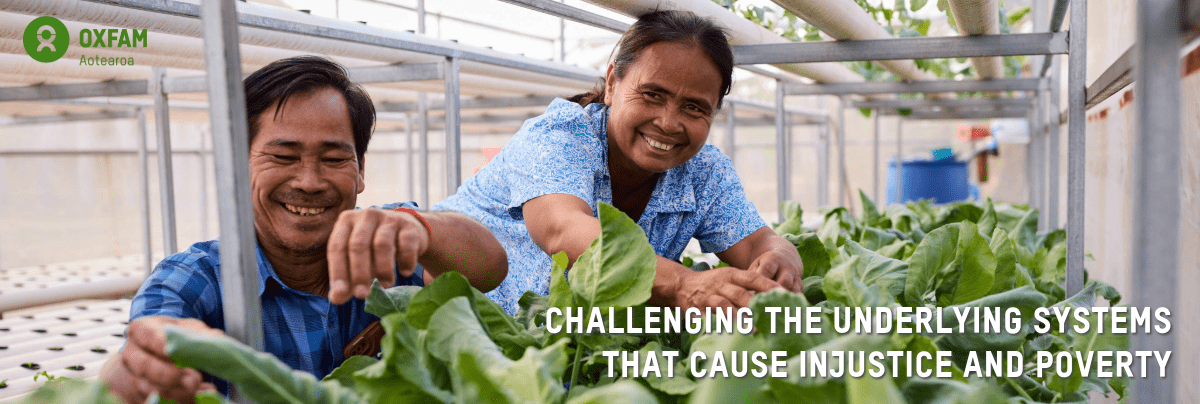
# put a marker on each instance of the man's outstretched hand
(369, 244)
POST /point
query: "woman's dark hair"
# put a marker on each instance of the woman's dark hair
(668, 26)
(283, 78)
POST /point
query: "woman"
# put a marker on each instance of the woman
(638, 143)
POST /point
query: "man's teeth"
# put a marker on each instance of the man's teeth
(660, 146)
(304, 211)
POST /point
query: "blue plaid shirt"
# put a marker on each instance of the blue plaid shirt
(305, 331)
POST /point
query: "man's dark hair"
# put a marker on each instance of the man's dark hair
(668, 26)
(283, 78)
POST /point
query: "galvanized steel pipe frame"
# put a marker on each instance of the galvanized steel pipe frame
(902, 48)
(166, 178)
(144, 182)
(1154, 252)
(1076, 145)
(783, 181)
(362, 36)
(452, 130)
(227, 103)
(891, 87)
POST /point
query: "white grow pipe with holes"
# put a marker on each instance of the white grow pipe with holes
(112, 16)
(979, 17)
(844, 19)
(741, 32)
(93, 289)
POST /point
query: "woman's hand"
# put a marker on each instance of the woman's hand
(785, 269)
(721, 287)
(765, 253)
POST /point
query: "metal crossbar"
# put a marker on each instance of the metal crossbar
(902, 48)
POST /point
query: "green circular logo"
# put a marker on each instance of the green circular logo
(46, 39)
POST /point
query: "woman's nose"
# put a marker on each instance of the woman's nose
(669, 121)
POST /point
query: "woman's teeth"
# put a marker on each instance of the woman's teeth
(660, 146)
(302, 211)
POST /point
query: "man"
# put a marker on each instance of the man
(317, 254)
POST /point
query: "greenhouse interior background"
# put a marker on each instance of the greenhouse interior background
(71, 193)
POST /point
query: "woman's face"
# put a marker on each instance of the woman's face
(662, 109)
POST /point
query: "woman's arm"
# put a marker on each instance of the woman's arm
(766, 253)
(560, 222)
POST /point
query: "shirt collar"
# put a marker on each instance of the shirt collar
(674, 191)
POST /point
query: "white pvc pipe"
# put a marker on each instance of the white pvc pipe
(96, 288)
(844, 19)
(741, 30)
(980, 17)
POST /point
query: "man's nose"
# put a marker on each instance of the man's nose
(308, 178)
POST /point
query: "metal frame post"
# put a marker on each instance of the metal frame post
(204, 147)
(1053, 148)
(875, 159)
(166, 178)
(562, 38)
(899, 159)
(452, 130)
(144, 181)
(227, 105)
(822, 159)
(421, 17)
(1076, 144)
(782, 177)
(731, 133)
(1156, 176)
(790, 150)
(841, 145)
(409, 154)
(423, 141)
(1037, 157)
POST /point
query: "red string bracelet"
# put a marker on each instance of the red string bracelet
(420, 218)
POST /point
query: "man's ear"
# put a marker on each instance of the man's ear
(359, 183)
(610, 85)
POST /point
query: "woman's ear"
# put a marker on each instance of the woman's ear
(610, 85)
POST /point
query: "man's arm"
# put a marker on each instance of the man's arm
(371, 244)
(560, 222)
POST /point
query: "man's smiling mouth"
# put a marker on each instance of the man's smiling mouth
(303, 211)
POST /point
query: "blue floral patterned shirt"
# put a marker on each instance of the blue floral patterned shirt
(565, 151)
(305, 331)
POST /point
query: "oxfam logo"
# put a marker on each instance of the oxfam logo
(46, 39)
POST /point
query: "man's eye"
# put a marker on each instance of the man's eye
(651, 95)
(285, 157)
(336, 160)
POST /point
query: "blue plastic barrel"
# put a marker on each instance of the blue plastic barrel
(942, 181)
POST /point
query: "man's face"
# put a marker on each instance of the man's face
(303, 170)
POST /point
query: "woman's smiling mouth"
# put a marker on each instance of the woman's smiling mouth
(657, 144)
